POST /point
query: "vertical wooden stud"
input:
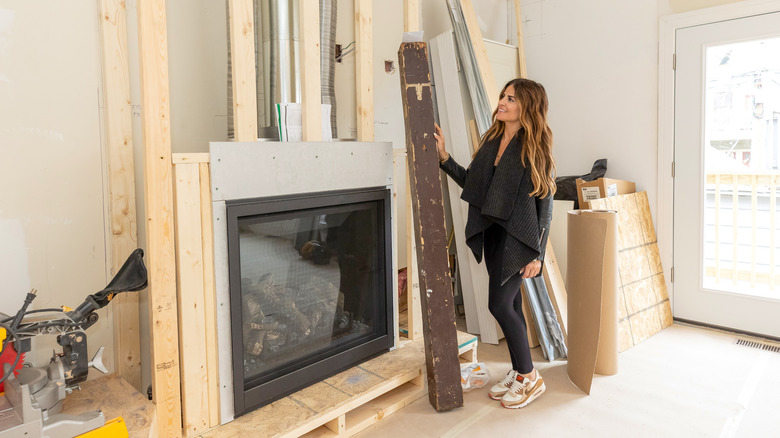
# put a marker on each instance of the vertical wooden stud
(192, 321)
(413, 307)
(520, 49)
(242, 48)
(210, 295)
(411, 15)
(364, 70)
(158, 187)
(121, 175)
(311, 92)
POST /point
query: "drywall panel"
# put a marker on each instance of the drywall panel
(52, 206)
(197, 66)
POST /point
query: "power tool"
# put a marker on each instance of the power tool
(32, 402)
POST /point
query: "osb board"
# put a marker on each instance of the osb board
(116, 398)
(644, 308)
(326, 400)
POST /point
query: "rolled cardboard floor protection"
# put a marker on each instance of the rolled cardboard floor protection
(592, 278)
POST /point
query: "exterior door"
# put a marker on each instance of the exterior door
(726, 156)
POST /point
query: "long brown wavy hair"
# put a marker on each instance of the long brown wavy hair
(537, 136)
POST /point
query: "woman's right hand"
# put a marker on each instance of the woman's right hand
(439, 136)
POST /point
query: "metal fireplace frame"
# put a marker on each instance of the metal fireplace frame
(321, 366)
(245, 170)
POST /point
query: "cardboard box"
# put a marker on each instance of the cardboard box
(601, 188)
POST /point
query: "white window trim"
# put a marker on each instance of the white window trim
(666, 43)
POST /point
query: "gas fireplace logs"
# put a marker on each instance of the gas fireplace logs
(277, 317)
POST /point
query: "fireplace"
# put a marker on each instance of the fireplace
(303, 254)
(309, 282)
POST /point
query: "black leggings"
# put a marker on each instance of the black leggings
(505, 301)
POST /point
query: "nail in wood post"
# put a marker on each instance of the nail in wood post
(440, 334)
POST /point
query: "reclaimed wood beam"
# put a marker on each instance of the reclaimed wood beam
(439, 332)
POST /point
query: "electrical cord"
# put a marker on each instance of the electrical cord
(51, 309)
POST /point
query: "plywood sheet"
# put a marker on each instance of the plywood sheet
(645, 309)
(327, 401)
(116, 398)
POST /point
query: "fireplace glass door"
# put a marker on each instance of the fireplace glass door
(310, 289)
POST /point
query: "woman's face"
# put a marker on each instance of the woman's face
(508, 107)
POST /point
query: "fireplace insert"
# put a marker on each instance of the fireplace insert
(310, 288)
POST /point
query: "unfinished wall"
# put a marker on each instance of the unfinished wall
(52, 202)
(52, 231)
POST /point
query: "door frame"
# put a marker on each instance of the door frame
(666, 84)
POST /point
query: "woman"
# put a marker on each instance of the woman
(509, 186)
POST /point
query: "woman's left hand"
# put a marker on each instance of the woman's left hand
(532, 269)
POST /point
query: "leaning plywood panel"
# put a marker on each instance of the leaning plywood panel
(644, 301)
(440, 335)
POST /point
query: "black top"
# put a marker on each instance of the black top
(500, 194)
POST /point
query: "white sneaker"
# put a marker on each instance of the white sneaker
(523, 391)
(499, 389)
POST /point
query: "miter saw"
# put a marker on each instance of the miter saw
(32, 402)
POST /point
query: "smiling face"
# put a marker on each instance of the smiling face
(509, 108)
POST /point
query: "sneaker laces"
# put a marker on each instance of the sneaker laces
(509, 379)
(518, 386)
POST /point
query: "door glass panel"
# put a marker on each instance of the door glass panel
(741, 157)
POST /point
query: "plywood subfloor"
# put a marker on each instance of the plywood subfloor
(315, 405)
(116, 398)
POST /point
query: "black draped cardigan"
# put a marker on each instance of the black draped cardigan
(503, 199)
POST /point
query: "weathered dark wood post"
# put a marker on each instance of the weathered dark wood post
(441, 342)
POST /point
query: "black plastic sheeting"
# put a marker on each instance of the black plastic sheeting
(566, 186)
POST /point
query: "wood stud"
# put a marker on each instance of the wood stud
(121, 175)
(311, 91)
(242, 48)
(364, 70)
(155, 119)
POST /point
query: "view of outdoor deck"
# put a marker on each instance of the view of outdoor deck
(741, 154)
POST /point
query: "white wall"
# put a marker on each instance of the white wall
(52, 211)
